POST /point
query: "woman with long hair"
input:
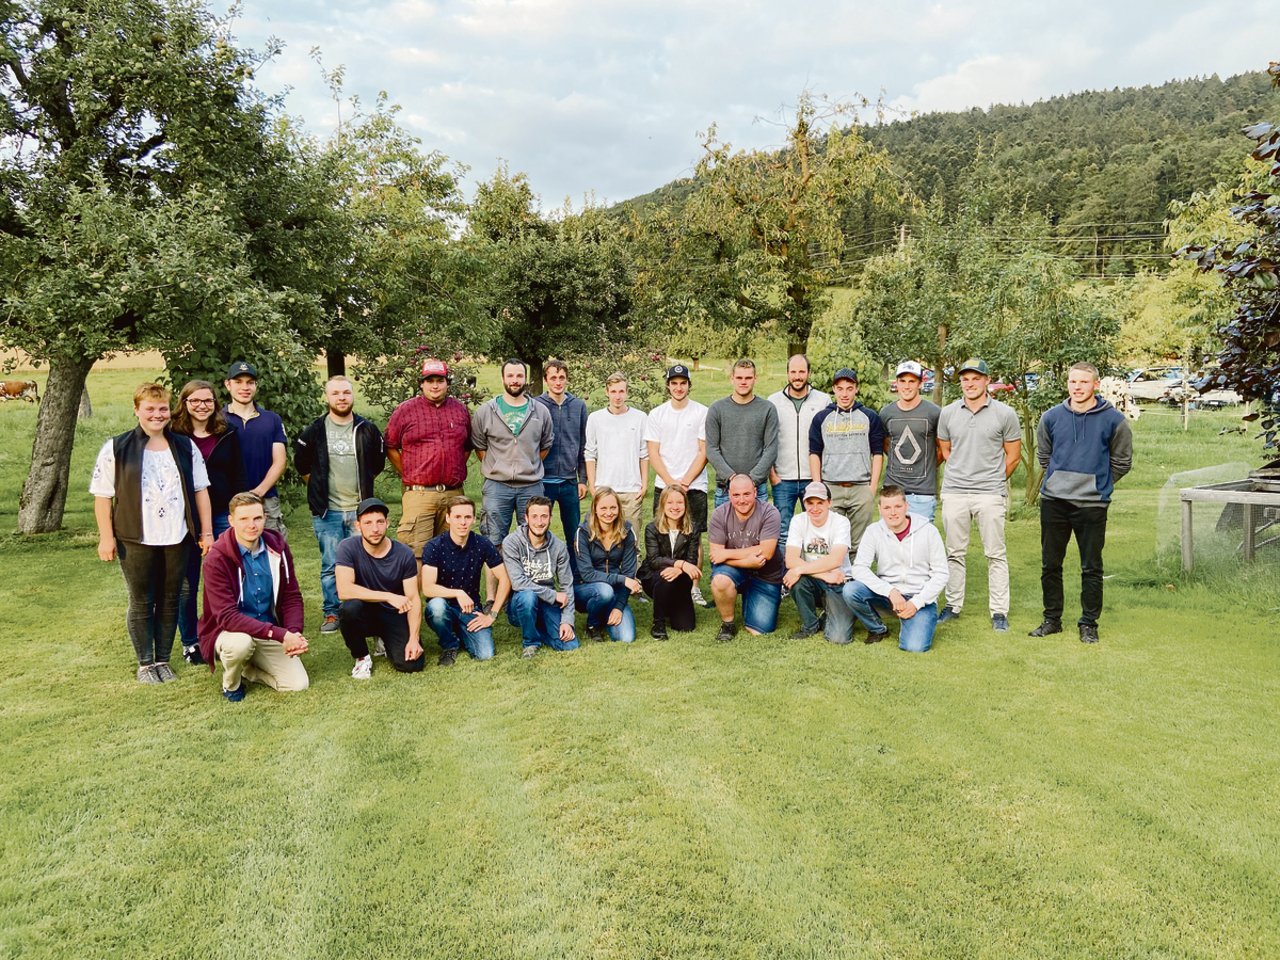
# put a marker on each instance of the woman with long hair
(199, 417)
(606, 557)
(671, 570)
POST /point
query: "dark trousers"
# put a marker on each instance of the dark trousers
(672, 603)
(359, 620)
(1059, 519)
(153, 576)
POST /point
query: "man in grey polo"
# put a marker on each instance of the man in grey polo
(980, 440)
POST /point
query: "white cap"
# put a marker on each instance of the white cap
(911, 367)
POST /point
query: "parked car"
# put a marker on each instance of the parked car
(1150, 384)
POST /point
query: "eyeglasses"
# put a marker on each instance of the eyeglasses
(200, 403)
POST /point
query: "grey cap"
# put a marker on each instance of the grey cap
(371, 503)
(816, 489)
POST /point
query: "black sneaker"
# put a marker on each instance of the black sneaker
(727, 631)
(448, 658)
(1047, 628)
(658, 631)
(595, 632)
(191, 653)
(1088, 633)
(236, 695)
(803, 634)
(875, 637)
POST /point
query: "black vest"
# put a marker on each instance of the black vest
(126, 516)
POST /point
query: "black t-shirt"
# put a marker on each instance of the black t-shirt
(458, 568)
(385, 574)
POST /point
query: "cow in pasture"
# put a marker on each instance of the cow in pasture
(20, 390)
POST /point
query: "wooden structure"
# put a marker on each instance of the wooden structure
(1252, 494)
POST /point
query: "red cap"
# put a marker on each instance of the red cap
(433, 368)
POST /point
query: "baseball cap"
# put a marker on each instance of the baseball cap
(371, 503)
(910, 367)
(977, 365)
(818, 489)
(241, 369)
(432, 367)
(678, 370)
(845, 373)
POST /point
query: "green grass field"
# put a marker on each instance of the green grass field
(998, 797)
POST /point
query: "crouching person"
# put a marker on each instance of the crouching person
(377, 584)
(451, 565)
(541, 582)
(818, 566)
(745, 558)
(253, 615)
(911, 572)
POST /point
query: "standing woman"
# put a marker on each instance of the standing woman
(150, 498)
(606, 557)
(671, 568)
(199, 417)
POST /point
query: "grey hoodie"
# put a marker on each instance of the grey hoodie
(539, 568)
(507, 458)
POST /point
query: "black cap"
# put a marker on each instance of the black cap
(241, 369)
(371, 503)
(678, 370)
(845, 373)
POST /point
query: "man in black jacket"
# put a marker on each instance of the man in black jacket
(338, 456)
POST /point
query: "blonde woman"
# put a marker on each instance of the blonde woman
(671, 568)
(606, 557)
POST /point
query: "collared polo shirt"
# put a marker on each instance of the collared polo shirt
(255, 599)
(977, 438)
(257, 435)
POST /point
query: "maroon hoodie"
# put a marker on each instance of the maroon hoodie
(224, 586)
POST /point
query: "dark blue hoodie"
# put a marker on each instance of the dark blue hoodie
(566, 460)
(1083, 454)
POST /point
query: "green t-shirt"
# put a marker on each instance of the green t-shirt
(513, 417)
(344, 480)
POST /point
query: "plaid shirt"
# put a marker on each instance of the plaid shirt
(433, 441)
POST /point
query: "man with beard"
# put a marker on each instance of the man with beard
(797, 404)
(262, 440)
(338, 456)
(911, 441)
(541, 582)
(428, 442)
(511, 436)
(378, 583)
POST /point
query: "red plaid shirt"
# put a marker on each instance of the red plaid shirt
(434, 441)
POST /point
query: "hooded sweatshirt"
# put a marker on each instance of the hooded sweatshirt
(1083, 454)
(539, 568)
(224, 588)
(916, 566)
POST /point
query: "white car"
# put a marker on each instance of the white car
(1149, 384)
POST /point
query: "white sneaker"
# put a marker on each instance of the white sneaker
(698, 598)
(363, 669)
(379, 650)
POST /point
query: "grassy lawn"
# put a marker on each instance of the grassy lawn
(999, 797)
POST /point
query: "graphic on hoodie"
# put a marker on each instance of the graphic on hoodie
(537, 566)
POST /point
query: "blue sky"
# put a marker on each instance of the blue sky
(607, 97)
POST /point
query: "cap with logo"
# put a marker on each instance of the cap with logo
(845, 373)
(816, 490)
(975, 365)
(678, 370)
(241, 369)
(371, 503)
(909, 368)
(432, 367)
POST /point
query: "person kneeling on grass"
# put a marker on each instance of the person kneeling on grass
(607, 560)
(377, 585)
(911, 572)
(541, 582)
(451, 565)
(818, 566)
(745, 559)
(670, 572)
(253, 612)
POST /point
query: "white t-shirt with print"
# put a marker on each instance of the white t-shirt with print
(816, 542)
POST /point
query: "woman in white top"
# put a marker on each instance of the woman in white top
(151, 499)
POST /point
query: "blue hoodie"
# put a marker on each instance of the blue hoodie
(1083, 454)
(566, 460)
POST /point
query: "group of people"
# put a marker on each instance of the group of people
(190, 494)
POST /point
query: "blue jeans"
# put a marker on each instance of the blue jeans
(786, 493)
(807, 591)
(564, 494)
(916, 635)
(922, 505)
(760, 599)
(502, 501)
(539, 621)
(722, 494)
(331, 529)
(187, 614)
(600, 598)
(448, 621)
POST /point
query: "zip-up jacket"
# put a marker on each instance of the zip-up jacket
(847, 440)
(1083, 454)
(567, 459)
(612, 566)
(539, 568)
(793, 432)
(508, 458)
(916, 565)
(311, 459)
(226, 471)
(126, 513)
(224, 588)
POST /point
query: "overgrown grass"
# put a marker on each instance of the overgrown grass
(999, 797)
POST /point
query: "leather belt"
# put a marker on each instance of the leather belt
(437, 487)
(848, 483)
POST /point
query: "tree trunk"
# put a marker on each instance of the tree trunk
(44, 495)
(336, 361)
(86, 406)
(534, 382)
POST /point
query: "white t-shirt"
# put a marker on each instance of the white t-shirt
(677, 433)
(616, 443)
(164, 521)
(815, 542)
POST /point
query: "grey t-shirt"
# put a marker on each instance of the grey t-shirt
(912, 460)
(765, 523)
(976, 464)
(344, 479)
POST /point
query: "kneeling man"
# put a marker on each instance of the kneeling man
(253, 615)
(451, 566)
(911, 571)
(745, 559)
(541, 582)
(377, 580)
(818, 565)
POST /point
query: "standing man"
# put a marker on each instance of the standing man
(980, 439)
(253, 612)
(428, 439)
(511, 436)
(818, 566)
(846, 452)
(797, 404)
(541, 582)
(451, 565)
(378, 583)
(1084, 445)
(338, 456)
(742, 433)
(911, 441)
(564, 480)
(616, 453)
(676, 437)
(262, 440)
(745, 559)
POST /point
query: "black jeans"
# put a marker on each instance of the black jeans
(153, 576)
(1059, 519)
(672, 603)
(360, 620)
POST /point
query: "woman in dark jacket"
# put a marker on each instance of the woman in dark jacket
(671, 564)
(199, 417)
(606, 558)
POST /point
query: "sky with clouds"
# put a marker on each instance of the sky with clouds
(607, 97)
